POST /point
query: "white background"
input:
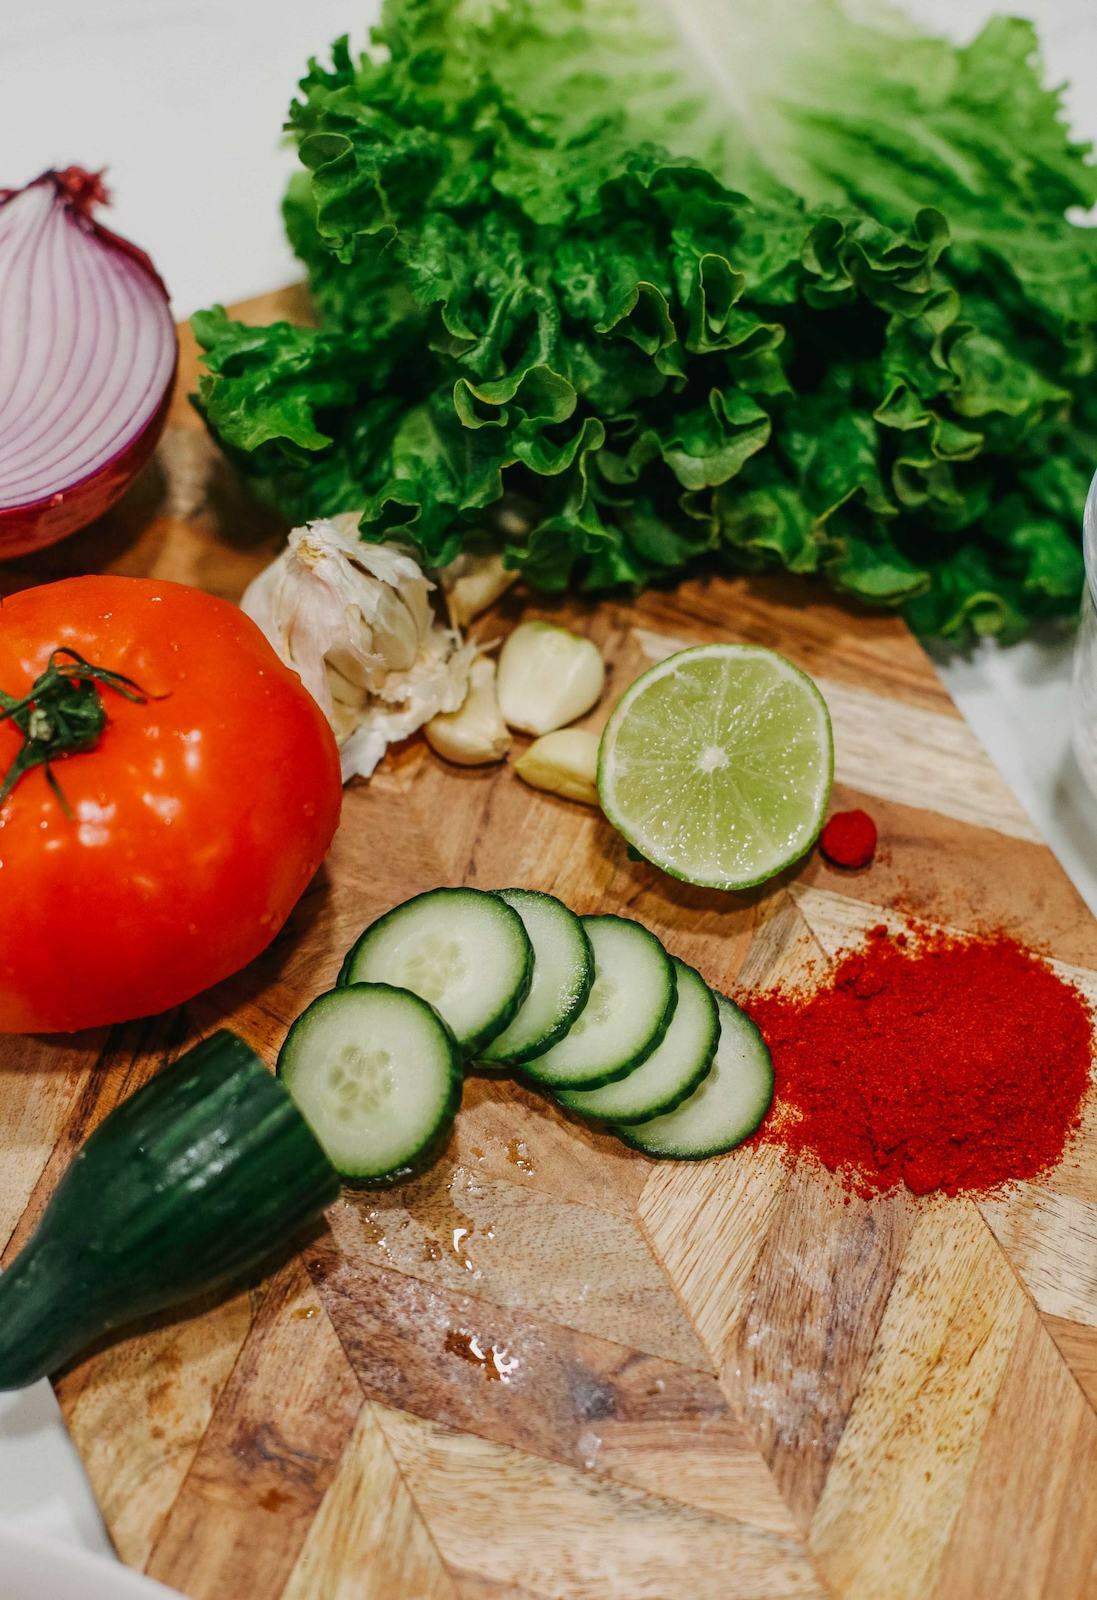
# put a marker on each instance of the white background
(182, 100)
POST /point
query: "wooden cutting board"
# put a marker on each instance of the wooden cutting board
(550, 1367)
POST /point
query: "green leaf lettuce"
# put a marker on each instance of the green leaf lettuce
(622, 284)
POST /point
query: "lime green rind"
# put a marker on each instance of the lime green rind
(640, 844)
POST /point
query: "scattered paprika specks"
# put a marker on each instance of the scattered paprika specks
(948, 1063)
(849, 839)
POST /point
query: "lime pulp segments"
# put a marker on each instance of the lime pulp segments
(717, 763)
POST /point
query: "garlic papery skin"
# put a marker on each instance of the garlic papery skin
(548, 677)
(354, 620)
(471, 584)
(475, 733)
(564, 763)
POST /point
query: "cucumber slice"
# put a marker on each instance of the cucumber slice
(563, 972)
(728, 1106)
(376, 1074)
(626, 1015)
(674, 1069)
(463, 950)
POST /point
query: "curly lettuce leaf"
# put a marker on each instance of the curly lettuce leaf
(627, 285)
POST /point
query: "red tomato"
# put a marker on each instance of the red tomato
(197, 819)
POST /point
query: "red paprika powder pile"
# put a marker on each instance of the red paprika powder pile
(945, 1063)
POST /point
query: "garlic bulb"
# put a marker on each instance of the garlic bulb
(547, 677)
(476, 732)
(354, 621)
(564, 762)
(471, 584)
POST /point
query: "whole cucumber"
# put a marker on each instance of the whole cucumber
(180, 1190)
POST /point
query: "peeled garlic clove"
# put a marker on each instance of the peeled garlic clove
(547, 677)
(471, 584)
(564, 762)
(475, 733)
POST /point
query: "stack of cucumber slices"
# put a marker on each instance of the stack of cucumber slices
(591, 1010)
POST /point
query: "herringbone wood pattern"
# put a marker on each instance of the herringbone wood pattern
(718, 1380)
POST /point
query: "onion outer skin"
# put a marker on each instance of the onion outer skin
(40, 523)
(24, 529)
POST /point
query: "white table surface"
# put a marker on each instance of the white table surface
(182, 100)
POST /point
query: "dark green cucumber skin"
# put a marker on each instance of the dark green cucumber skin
(502, 1019)
(671, 1103)
(436, 1142)
(187, 1185)
(540, 1081)
(564, 1026)
(626, 1131)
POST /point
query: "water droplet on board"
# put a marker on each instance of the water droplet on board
(588, 1445)
(373, 1232)
(448, 1229)
(494, 1360)
(518, 1155)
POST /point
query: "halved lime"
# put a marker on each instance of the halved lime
(717, 764)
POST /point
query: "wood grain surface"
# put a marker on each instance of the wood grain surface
(550, 1369)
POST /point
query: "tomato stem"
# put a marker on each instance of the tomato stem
(61, 715)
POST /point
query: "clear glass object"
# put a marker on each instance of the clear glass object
(1085, 653)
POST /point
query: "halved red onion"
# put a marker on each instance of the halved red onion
(87, 360)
